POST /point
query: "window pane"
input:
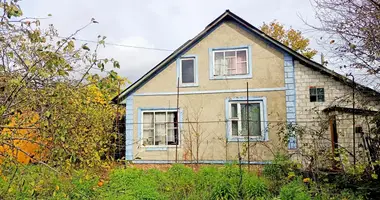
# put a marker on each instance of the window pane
(171, 136)
(148, 120)
(172, 117)
(321, 94)
(313, 94)
(230, 54)
(234, 128)
(160, 117)
(241, 68)
(234, 110)
(218, 63)
(254, 111)
(241, 56)
(231, 65)
(160, 137)
(254, 119)
(148, 137)
(321, 98)
(313, 91)
(188, 71)
(320, 91)
(313, 98)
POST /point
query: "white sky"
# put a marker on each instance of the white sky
(165, 24)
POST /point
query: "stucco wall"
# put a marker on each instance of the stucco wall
(209, 109)
(267, 64)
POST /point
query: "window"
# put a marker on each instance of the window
(358, 129)
(230, 62)
(317, 94)
(187, 69)
(238, 119)
(159, 128)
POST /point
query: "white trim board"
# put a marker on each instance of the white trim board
(212, 91)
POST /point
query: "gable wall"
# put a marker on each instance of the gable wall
(160, 92)
(267, 64)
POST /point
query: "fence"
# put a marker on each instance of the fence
(316, 138)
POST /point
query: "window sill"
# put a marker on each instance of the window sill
(243, 139)
(156, 148)
(159, 148)
(188, 85)
(247, 76)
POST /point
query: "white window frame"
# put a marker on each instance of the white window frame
(154, 127)
(224, 52)
(230, 119)
(195, 71)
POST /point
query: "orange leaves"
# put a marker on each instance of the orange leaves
(22, 143)
(291, 38)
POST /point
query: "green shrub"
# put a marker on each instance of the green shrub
(254, 187)
(295, 190)
(224, 190)
(131, 183)
(180, 181)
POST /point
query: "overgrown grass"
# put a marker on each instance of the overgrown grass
(178, 182)
(39, 182)
(181, 182)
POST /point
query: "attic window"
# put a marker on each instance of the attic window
(230, 62)
(317, 94)
(188, 71)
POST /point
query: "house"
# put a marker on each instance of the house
(228, 68)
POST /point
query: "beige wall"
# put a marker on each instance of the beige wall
(267, 64)
(268, 72)
(209, 110)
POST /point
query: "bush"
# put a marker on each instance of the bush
(39, 182)
(279, 172)
(254, 187)
(295, 190)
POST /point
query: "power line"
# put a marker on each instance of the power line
(121, 45)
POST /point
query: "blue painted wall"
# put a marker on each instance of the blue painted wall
(290, 86)
(129, 128)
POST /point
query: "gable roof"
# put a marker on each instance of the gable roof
(229, 16)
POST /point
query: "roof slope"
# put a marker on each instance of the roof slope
(229, 16)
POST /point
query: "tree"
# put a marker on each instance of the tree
(291, 38)
(51, 96)
(353, 30)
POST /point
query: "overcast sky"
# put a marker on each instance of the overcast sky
(160, 24)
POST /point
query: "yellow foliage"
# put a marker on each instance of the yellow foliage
(22, 143)
(291, 38)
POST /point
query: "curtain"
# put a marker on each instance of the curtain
(160, 125)
(218, 63)
(171, 127)
(241, 62)
(148, 128)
